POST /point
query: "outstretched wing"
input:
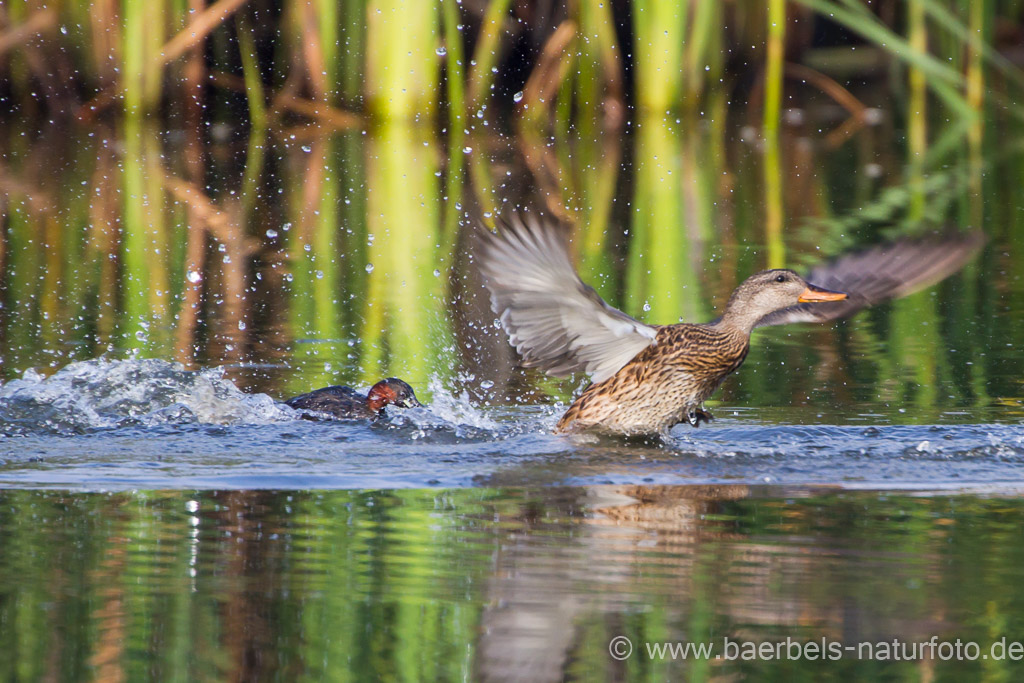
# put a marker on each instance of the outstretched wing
(888, 271)
(555, 321)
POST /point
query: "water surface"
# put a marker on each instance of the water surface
(163, 286)
(524, 583)
(151, 424)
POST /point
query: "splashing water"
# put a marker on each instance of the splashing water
(151, 423)
(454, 413)
(104, 394)
(458, 409)
(109, 394)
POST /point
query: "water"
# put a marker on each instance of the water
(522, 583)
(140, 424)
(164, 516)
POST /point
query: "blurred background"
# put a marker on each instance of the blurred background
(286, 189)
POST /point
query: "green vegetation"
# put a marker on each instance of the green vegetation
(451, 585)
(289, 190)
(222, 184)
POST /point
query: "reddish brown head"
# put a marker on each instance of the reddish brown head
(391, 391)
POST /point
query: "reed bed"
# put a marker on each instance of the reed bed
(247, 181)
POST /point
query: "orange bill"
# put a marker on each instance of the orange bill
(818, 294)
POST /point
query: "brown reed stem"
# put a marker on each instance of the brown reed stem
(197, 29)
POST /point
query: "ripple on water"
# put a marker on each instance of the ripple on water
(152, 424)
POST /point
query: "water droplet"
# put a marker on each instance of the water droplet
(441, 51)
(369, 267)
(467, 149)
(518, 97)
(307, 148)
(647, 307)
(271, 233)
(486, 384)
(194, 277)
(437, 273)
(241, 325)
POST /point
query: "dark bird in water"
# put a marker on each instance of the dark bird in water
(648, 378)
(347, 403)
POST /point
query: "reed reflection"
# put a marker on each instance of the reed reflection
(493, 584)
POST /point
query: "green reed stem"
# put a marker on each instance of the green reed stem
(256, 99)
(702, 43)
(328, 14)
(485, 56)
(974, 34)
(456, 90)
(659, 34)
(401, 62)
(353, 59)
(772, 115)
(403, 220)
(977, 11)
(143, 30)
(660, 270)
(251, 73)
(917, 122)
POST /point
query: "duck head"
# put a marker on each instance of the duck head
(767, 292)
(391, 391)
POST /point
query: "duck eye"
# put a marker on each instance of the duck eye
(780, 278)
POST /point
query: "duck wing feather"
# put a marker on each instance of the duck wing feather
(556, 322)
(887, 271)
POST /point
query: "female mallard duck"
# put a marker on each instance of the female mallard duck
(348, 404)
(647, 378)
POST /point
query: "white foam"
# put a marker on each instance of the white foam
(447, 410)
(102, 393)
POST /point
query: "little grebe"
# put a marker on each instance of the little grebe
(347, 403)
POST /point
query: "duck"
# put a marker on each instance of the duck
(646, 378)
(346, 403)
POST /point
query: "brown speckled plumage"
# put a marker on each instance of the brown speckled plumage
(657, 389)
(648, 378)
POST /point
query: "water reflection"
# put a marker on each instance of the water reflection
(493, 584)
(314, 257)
(404, 295)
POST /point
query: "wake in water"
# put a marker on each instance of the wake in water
(106, 394)
(153, 424)
(109, 394)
